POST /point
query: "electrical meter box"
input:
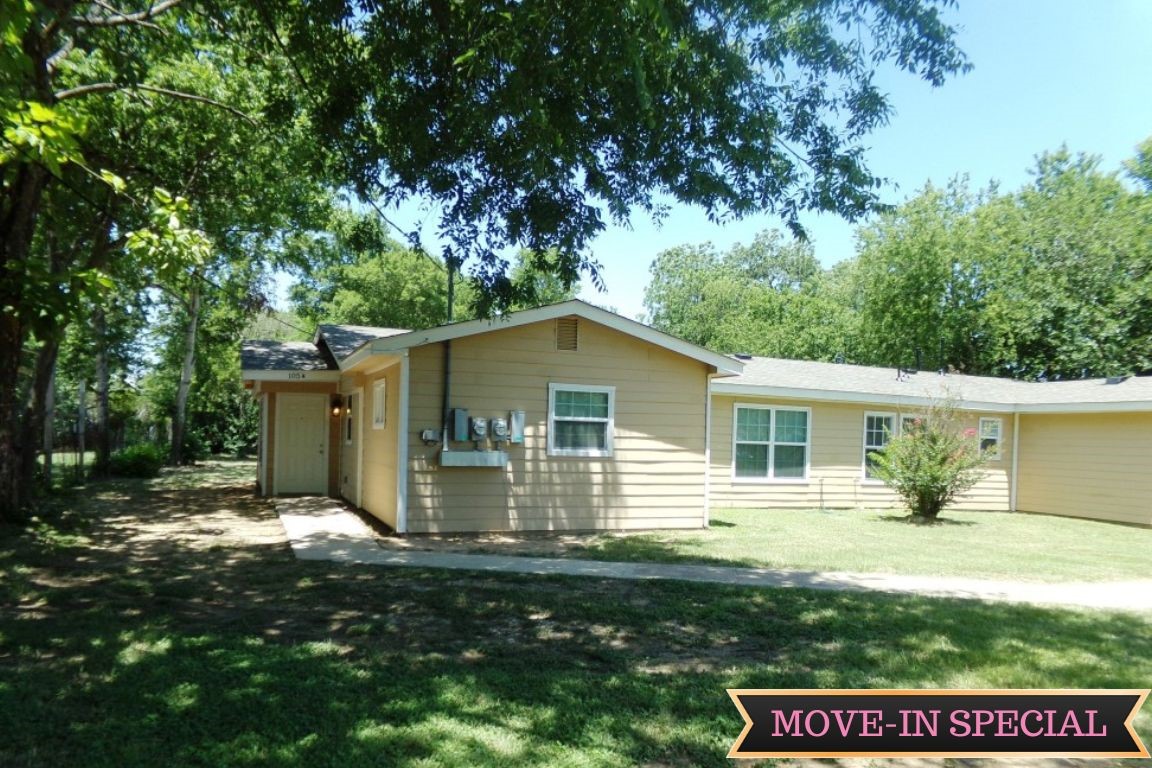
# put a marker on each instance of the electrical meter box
(498, 426)
(479, 427)
(516, 427)
(459, 424)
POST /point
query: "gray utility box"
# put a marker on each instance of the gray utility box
(516, 427)
(459, 425)
(473, 458)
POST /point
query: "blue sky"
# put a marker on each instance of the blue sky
(1046, 73)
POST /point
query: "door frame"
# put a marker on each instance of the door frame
(358, 445)
(278, 455)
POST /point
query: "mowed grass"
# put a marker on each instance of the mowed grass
(166, 623)
(987, 545)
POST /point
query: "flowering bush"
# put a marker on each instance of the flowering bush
(931, 462)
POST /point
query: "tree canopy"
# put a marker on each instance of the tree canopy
(1051, 281)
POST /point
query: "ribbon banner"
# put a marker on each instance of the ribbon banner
(938, 723)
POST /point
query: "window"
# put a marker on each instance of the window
(580, 420)
(990, 430)
(770, 443)
(349, 408)
(379, 403)
(878, 430)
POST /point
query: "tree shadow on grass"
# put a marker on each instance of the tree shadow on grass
(164, 641)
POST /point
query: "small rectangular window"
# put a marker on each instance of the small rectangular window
(349, 424)
(379, 403)
(878, 430)
(990, 432)
(770, 443)
(580, 420)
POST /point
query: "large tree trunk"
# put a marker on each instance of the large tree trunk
(49, 429)
(176, 455)
(18, 208)
(103, 436)
(35, 414)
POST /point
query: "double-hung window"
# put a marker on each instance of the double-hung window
(771, 443)
(990, 430)
(581, 420)
(879, 428)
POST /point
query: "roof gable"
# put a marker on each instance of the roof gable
(402, 341)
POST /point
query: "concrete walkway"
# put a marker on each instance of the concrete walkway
(322, 529)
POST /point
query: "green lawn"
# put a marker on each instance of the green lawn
(165, 623)
(988, 545)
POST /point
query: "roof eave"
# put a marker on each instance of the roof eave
(549, 312)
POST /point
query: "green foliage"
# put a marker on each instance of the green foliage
(1053, 281)
(534, 124)
(767, 298)
(931, 462)
(143, 460)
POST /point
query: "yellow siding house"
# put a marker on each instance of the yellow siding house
(568, 417)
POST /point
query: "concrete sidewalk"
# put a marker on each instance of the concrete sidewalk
(322, 529)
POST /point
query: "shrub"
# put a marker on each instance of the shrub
(931, 462)
(144, 460)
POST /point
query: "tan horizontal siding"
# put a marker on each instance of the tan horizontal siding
(835, 477)
(655, 479)
(379, 461)
(1096, 466)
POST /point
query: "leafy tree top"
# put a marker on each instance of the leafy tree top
(530, 124)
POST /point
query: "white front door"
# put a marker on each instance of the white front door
(301, 443)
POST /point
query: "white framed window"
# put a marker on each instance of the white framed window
(879, 428)
(770, 443)
(349, 424)
(581, 420)
(379, 403)
(991, 428)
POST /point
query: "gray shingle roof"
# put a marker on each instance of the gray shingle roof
(865, 381)
(263, 355)
(343, 340)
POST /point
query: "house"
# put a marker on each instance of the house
(569, 417)
(565, 417)
(1074, 448)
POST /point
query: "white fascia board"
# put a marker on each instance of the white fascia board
(1130, 406)
(289, 375)
(837, 396)
(552, 311)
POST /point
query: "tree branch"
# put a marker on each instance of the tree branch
(119, 18)
(95, 88)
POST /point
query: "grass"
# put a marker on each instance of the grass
(166, 623)
(986, 545)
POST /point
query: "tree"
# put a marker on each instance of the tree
(531, 124)
(931, 462)
(364, 277)
(1052, 281)
(770, 298)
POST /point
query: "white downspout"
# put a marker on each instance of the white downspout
(402, 449)
(1015, 461)
(708, 450)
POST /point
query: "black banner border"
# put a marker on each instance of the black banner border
(736, 693)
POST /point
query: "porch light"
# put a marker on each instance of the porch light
(337, 402)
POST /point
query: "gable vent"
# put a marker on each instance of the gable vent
(567, 334)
